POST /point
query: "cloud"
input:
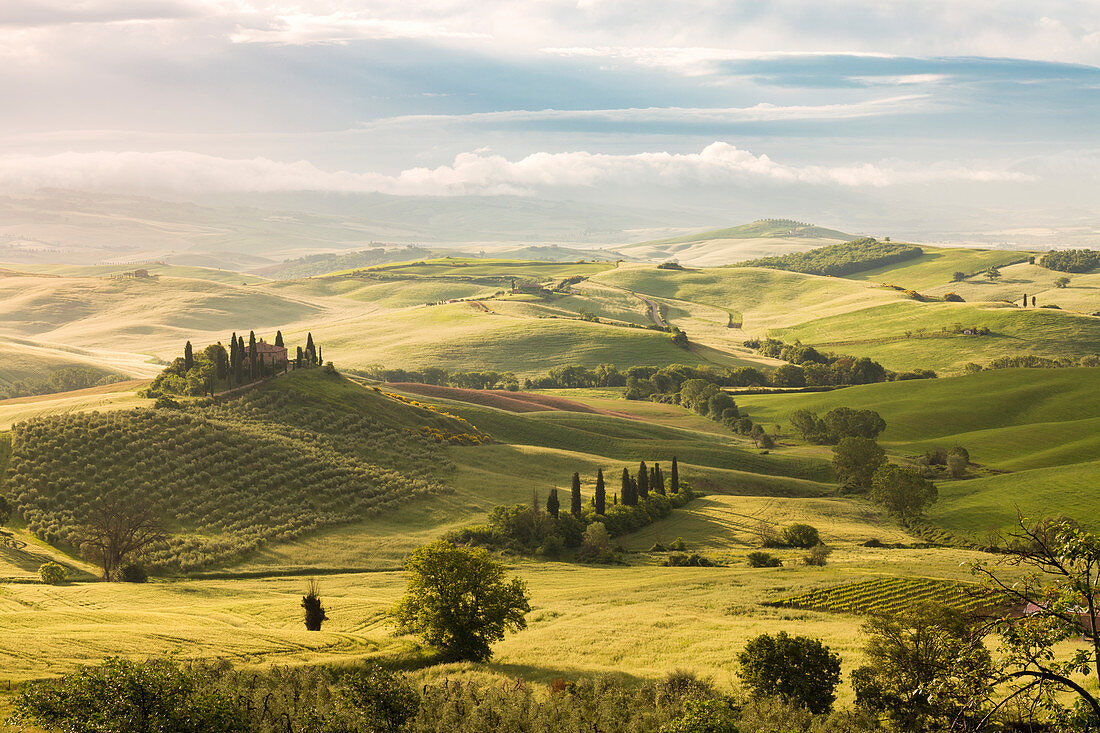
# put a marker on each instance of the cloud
(763, 112)
(719, 164)
(300, 29)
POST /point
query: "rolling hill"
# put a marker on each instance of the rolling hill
(723, 246)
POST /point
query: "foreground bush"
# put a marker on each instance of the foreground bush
(163, 696)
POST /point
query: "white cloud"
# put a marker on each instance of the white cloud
(717, 165)
(299, 29)
(763, 112)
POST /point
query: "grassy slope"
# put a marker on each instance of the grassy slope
(464, 337)
(477, 267)
(1082, 294)
(879, 333)
(936, 266)
(227, 277)
(756, 229)
(118, 396)
(1043, 425)
(764, 298)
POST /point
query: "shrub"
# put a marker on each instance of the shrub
(818, 556)
(314, 610)
(705, 716)
(383, 702)
(799, 669)
(678, 545)
(694, 560)
(801, 535)
(121, 695)
(596, 544)
(953, 298)
(759, 559)
(52, 573)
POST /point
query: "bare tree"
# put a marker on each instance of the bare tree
(116, 530)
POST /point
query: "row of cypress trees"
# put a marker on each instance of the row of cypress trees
(230, 366)
(633, 488)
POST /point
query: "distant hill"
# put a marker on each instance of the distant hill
(761, 228)
(762, 238)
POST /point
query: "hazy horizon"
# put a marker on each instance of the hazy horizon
(972, 123)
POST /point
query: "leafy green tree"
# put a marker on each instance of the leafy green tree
(844, 422)
(575, 505)
(314, 611)
(1060, 586)
(1061, 282)
(855, 461)
(927, 669)
(600, 497)
(705, 716)
(903, 491)
(458, 601)
(958, 276)
(156, 696)
(5, 510)
(796, 668)
(993, 273)
(789, 375)
(117, 529)
(809, 426)
(552, 505)
(596, 544)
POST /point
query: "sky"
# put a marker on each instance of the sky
(939, 117)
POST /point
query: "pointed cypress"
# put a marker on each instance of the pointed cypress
(298, 359)
(535, 501)
(188, 356)
(659, 479)
(643, 481)
(311, 350)
(552, 505)
(575, 496)
(626, 487)
(279, 338)
(240, 359)
(674, 478)
(600, 499)
(320, 360)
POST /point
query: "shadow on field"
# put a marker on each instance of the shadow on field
(547, 675)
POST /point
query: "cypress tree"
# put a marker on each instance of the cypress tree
(601, 493)
(674, 479)
(188, 356)
(615, 500)
(575, 496)
(221, 367)
(240, 359)
(319, 359)
(552, 505)
(311, 350)
(298, 359)
(643, 481)
(626, 487)
(535, 501)
(1025, 300)
(233, 356)
(659, 479)
(253, 360)
(279, 338)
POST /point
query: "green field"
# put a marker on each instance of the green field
(936, 267)
(880, 332)
(307, 450)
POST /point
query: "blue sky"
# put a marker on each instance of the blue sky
(981, 113)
